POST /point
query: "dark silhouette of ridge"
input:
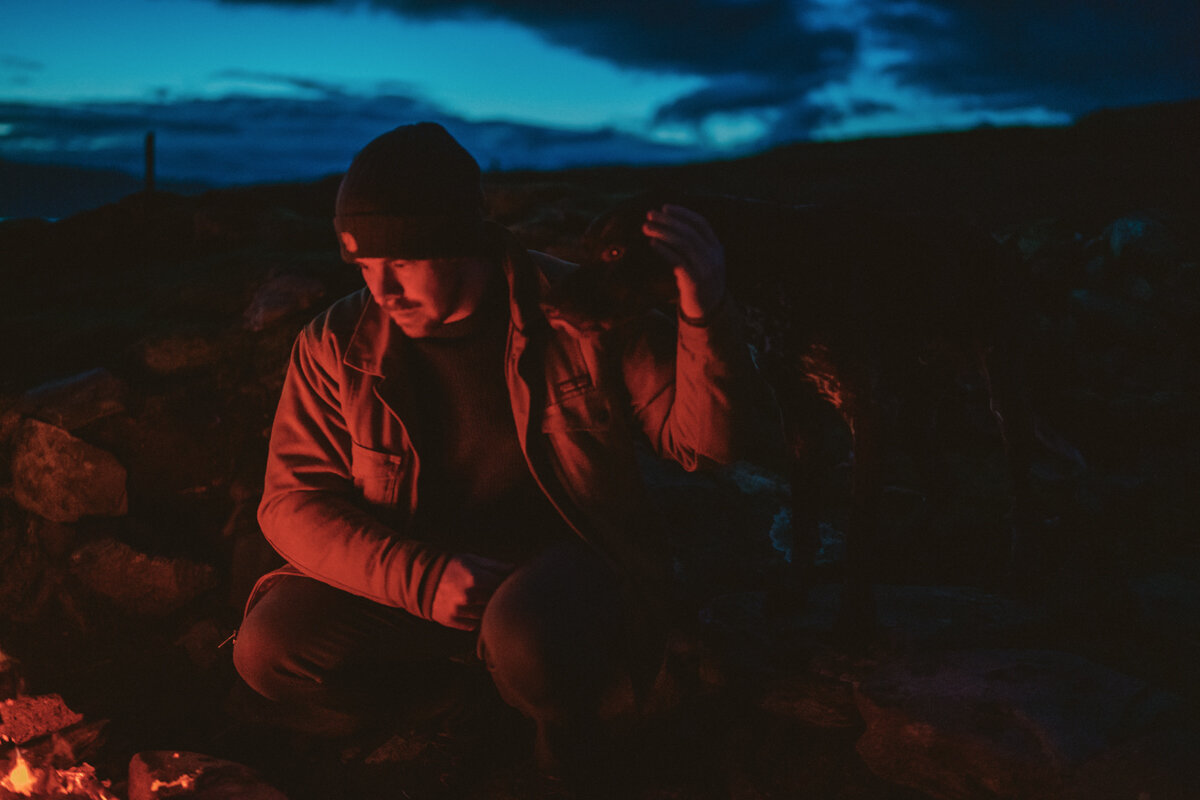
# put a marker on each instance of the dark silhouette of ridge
(55, 191)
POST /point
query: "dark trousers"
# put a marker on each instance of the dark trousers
(563, 643)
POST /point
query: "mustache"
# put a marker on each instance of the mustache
(399, 304)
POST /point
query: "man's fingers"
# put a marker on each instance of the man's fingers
(668, 253)
(695, 222)
(689, 236)
(677, 248)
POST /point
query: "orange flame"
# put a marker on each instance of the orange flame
(24, 780)
(20, 779)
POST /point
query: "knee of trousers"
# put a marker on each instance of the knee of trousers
(265, 657)
(548, 662)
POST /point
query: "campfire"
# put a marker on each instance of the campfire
(42, 742)
(24, 779)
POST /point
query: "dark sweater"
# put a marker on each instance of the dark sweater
(475, 492)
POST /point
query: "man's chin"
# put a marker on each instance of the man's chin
(414, 326)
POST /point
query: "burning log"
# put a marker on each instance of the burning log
(47, 739)
(23, 779)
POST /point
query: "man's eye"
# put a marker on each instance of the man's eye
(612, 253)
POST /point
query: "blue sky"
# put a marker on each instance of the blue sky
(260, 90)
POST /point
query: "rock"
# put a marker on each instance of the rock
(202, 642)
(73, 402)
(63, 478)
(161, 774)
(174, 353)
(280, 297)
(999, 723)
(140, 584)
(26, 718)
(1144, 237)
(817, 700)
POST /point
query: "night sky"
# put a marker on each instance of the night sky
(252, 90)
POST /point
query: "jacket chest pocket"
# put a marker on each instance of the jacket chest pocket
(379, 475)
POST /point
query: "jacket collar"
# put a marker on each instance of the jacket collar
(376, 341)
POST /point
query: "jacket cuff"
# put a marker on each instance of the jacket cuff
(431, 577)
(715, 311)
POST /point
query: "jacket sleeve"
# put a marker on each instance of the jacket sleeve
(312, 512)
(696, 392)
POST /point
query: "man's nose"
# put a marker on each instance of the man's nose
(389, 287)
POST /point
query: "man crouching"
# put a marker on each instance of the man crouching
(452, 473)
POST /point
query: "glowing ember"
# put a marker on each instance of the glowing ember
(26, 780)
(20, 779)
(182, 782)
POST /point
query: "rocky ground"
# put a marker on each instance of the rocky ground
(147, 342)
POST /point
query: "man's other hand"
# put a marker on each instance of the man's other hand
(465, 588)
(686, 241)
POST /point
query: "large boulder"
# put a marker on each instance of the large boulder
(1034, 725)
(175, 352)
(279, 298)
(63, 478)
(75, 401)
(139, 583)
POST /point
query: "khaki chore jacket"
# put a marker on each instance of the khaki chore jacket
(341, 479)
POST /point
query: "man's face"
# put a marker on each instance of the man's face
(422, 294)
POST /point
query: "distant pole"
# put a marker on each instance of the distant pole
(150, 162)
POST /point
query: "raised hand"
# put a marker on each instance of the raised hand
(685, 240)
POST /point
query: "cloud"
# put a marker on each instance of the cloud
(766, 60)
(253, 139)
(738, 94)
(279, 80)
(694, 37)
(1070, 55)
(756, 53)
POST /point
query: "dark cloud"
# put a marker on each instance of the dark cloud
(782, 108)
(696, 37)
(728, 95)
(1068, 55)
(756, 53)
(866, 108)
(764, 57)
(248, 139)
(282, 80)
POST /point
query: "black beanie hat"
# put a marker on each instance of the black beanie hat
(413, 192)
